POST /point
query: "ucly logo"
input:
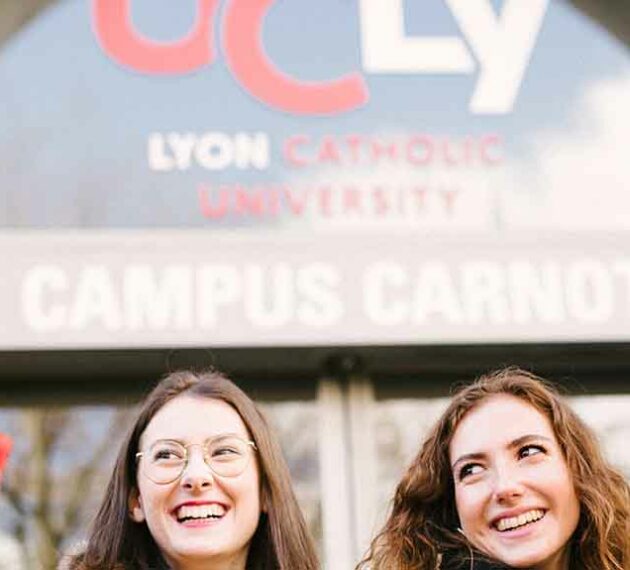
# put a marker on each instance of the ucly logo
(496, 46)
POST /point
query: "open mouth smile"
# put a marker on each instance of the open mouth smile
(209, 512)
(512, 523)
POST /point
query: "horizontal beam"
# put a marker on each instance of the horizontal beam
(280, 373)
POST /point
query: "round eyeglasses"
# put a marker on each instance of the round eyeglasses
(165, 460)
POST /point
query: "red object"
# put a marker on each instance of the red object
(5, 449)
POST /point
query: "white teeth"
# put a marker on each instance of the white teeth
(510, 523)
(213, 510)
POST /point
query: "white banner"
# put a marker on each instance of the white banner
(183, 288)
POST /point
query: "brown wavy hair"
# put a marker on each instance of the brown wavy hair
(281, 540)
(423, 522)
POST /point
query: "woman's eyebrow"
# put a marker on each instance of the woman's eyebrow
(221, 435)
(226, 434)
(469, 457)
(166, 439)
(528, 438)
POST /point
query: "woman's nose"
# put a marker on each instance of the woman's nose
(507, 484)
(197, 474)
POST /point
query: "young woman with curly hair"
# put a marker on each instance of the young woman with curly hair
(509, 477)
(200, 482)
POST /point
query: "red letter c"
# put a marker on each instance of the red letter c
(254, 70)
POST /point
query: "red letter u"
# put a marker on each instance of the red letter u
(122, 43)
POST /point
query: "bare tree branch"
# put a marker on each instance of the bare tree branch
(85, 475)
(15, 500)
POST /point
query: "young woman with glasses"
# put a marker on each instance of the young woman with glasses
(509, 477)
(200, 482)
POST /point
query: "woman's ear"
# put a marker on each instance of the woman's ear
(136, 512)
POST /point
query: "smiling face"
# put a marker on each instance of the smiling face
(200, 519)
(513, 490)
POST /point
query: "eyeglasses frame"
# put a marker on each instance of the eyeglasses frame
(204, 446)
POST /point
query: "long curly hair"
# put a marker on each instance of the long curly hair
(281, 541)
(423, 522)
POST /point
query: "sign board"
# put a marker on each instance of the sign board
(260, 172)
